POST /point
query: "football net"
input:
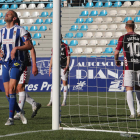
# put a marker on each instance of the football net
(96, 99)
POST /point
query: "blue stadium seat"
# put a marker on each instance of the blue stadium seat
(14, 6)
(39, 21)
(37, 35)
(89, 20)
(2, 0)
(73, 43)
(49, 6)
(93, 56)
(62, 5)
(18, 1)
(5, 6)
(42, 28)
(1, 14)
(51, 14)
(68, 35)
(108, 4)
(103, 13)
(93, 13)
(112, 55)
(74, 28)
(44, 14)
(79, 20)
(65, 41)
(122, 56)
(9, 1)
(84, 28)
(89, 4)
(127, 18)
(2, 22)
(25, 27)
(117, 4)
(73, 56)
(103, 56)
(84, 13)
(71, 50)
(137, 19)
(138, 13)
(33, 28)
(78, 35)
(98, 4)
(48, 21)
(113, 42)
(83, 56)
(108, 50)
(34, 42)
(121, 51)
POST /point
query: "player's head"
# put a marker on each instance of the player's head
(17, 21)
(10, 16)
(130, 25)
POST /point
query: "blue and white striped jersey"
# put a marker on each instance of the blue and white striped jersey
(13, 37)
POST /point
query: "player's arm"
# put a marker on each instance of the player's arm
(50, 68)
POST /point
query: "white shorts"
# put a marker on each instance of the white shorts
(64, 76)
(24, 78)
(131, 78)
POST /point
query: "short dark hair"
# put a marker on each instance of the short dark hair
(131, 25)
(17, 21)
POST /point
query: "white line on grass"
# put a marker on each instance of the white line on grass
(26, 132)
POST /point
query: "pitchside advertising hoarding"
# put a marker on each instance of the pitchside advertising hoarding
(85, 75)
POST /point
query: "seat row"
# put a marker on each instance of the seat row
(34, 28)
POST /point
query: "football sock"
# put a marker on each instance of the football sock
(65, 94)
(12, 103)
(29, 99)
(8, 98)
(130, 102)
(22, 98)
(138, 101)
(51, 95)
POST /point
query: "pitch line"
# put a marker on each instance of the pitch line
(26, 132)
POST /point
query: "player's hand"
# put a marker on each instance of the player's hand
(34, 70)
(118, 63)
(13, 52)
(65, 70)
(1, 53)
(50, 70)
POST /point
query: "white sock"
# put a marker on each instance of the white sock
(29, 99)
(22, 98)
(65, 94)
(138, 101)
(130, 102)
(51, 95)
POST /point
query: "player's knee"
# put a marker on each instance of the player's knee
(20, 88)
(12, 89)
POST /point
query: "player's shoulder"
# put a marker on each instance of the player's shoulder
(19, 27)
(2, 28)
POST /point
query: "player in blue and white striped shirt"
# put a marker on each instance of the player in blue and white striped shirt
(15, 41)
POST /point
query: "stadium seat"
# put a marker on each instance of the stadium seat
(118, 19)
(102, 27)
(29, 21)
(131, 12)
(112, 13)
(26, 14)
(112, 27)
(78, 35)
(121, 13)
(48, 21)
(136, 4)
(9, 1)
(78, 50)
(2, 0)
(74, 28)
(84, 13)
(93, 42)
(108, 50)
(108, 19)
(113, 42)
(108, 34)
(103, 13)
(33, 42)
(40, 6)
(102, 42)
(93, 56)
(18, 1)
(42, 28)
(83, 43)
(117, 4)
(89, 4)
(122, 56)
(98, 20)
(5, 6)
(93, 27)
(79, 20)
(68, 35)
(35, 14)
(88, 50)
(71, 50)
(103, 56)
(13, 6)
(31, 6)
(98, 50)
(88, 35)
(121, 27)
(19, 14)
(126, 4)
(23, 6)
(94, 13)
(65, 41)
(89, 20)
(98, 4)
(44, 14)
(25, 27)
(137, 19)
(108, 4)
(127, 18)
(33, 28)
(73, 56)
(84, 28)
(37, 36)
(49, 6)
(112, 56)
(2, 22)
(1, 14)
(98, 35)
(121, 50)
(138, 13)
(117, 34)
(73, 43)
(22, 21)
(39, 21)
(51, 14)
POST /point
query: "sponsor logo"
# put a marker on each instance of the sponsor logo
(16, 64)
(15, 32)
(25, 38)
(79, 86)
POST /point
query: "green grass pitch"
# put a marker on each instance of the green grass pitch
(102, 111)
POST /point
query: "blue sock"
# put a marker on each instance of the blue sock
(12, 104)
(8, 98)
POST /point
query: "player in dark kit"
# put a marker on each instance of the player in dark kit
(130, 43)
(65, 61)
